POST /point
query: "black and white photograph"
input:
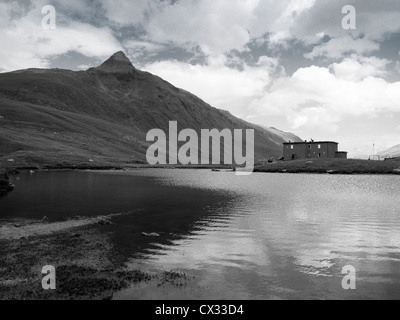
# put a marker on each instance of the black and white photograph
(183, 151)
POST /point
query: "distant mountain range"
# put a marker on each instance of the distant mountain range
(393, 152)
(102, 115)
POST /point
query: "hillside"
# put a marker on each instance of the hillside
(393, 152)
(100, 117)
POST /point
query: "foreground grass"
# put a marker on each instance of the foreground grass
(338, 166)
(25, 160)
(84, 262)
(87, 264)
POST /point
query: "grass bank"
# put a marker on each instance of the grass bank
(87, 264)
(334, 166)
(24, 160)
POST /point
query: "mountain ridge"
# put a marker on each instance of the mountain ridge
(117, 63)
(103, 114)
(393, 152)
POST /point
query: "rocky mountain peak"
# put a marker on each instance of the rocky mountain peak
(117, 63)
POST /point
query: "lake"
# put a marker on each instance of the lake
(264, 236)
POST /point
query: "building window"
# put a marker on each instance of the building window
(309, 146)
(319, 146)
(292, 147)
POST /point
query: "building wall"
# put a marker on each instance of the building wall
(310, 150)
(298, 150)
(341, 155)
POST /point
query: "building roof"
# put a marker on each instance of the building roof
(309, 142)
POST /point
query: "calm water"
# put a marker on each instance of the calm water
(265, 236)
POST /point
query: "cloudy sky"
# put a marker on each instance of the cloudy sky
(288, 64)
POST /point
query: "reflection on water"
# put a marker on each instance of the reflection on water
(264, 236)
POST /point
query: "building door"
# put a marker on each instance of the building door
(293, 156)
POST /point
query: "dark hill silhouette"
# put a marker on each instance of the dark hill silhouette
(62, 117)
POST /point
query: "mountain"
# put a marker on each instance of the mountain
(393, 152)
(287, 136)
(118, 63)
(102, 115)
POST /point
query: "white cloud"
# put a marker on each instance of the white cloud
(376, 20)
(217, 26)
(4, 15)
(277, 17)
(137, 49)
(132, 12)
(221, 86)
(336, 48)
(84, 66)
(315, 98)
(29, 45)
(356, 68)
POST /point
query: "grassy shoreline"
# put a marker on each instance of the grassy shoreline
(24, 164)
(87, 264)
(333, 166)
(86, 267)
(24, 160)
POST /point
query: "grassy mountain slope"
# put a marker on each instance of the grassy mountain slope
(101, 116)
(393, 152)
